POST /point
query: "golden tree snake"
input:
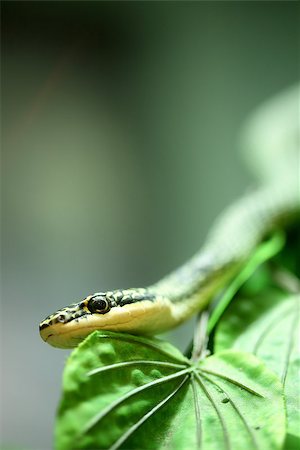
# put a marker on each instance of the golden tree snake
(270, 140)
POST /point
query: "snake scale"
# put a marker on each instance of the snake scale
(271, 138)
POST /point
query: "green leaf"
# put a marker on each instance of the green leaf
(262, 253)
(128, 392)
(268, 326)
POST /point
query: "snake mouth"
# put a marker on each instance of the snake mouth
(68, 335)
(137, 318)
(46, 337)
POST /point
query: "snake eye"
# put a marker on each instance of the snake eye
(99, 305)
(61, 318)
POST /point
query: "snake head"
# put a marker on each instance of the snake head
(131, 310)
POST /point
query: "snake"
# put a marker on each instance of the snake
(270, 140)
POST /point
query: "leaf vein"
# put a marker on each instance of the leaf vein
(290, 344)
(263, 335)
(231, 380)
(94, 420)
(126, 338)
(197, 412)
(248, 428)
(134, 427)
(223, 425)
(135, 362)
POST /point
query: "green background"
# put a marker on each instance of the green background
(119, 147)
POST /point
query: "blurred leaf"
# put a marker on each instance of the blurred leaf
(265, 251)
(267, 325)
(289, 257)
(123, 391)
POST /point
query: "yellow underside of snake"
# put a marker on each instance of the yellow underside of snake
(272, 134)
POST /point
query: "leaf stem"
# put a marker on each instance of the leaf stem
(200, 337)
(265, 251)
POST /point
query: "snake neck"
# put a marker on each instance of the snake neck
(231, 242)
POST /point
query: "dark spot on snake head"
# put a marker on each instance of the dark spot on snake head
(44, 325)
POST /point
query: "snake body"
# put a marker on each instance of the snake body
(233, 238)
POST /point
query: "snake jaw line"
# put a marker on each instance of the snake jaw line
(144, 317)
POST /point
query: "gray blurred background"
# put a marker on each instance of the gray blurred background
(120, 146)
